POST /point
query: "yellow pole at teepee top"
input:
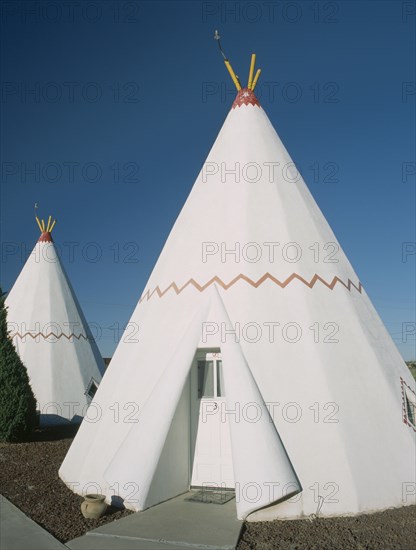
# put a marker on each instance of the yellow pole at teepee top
(250, 75)
(255, 79)
(251, 83)
(232, 74)
(39, 224)
(48, 228)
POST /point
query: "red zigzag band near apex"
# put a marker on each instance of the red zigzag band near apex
(255, 284)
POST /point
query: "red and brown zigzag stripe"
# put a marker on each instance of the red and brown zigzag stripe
(266, 277)
(47, 336)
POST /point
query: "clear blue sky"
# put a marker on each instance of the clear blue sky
(133, 94)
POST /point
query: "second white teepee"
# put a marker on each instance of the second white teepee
(52, 336)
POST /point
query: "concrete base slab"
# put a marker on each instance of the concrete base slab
(175, 524)
(117, 543)
(18, 532)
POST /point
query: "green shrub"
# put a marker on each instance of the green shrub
(17, 402)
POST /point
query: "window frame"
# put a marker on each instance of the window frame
(408, 405)
(93, 382)
(216, 380)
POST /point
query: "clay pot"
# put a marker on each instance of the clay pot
(94, 506)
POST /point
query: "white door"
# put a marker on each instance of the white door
(211, 459)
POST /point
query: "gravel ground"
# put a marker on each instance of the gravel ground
(29, 479)
(392, 529)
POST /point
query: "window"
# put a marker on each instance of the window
(205, 379)
(410, 407)
(219, 377)
(209, 378)
(91, 388)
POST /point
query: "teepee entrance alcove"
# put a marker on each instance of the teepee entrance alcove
(211, 455)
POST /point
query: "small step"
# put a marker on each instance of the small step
(176, 524)
(96, 542)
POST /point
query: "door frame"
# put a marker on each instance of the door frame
(200, 354)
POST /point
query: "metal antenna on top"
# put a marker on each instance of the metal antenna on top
(234, 77)
(40, 223)
(217, 37)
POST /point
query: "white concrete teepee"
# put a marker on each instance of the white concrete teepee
(51, 335)
(260, 364)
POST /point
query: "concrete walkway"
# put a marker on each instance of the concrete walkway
(18, 532)
(172, 525)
